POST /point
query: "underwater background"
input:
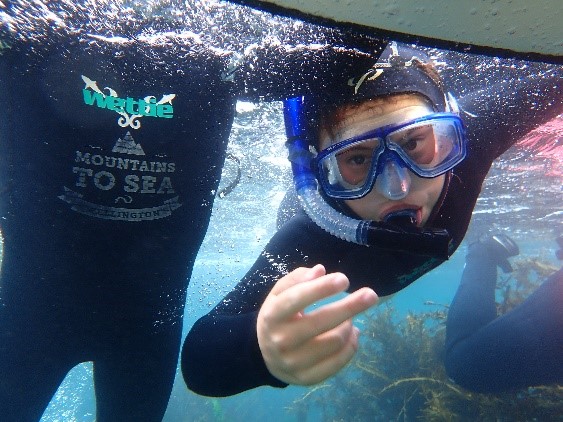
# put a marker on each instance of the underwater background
(397, 373)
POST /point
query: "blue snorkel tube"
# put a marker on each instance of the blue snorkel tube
(412, 239)
(305, 182)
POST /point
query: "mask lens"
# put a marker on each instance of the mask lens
(429, 147)
(355, 162)
(350, 168)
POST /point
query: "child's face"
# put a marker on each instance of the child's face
(350, 121)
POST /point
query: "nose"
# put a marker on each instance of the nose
(394, 181)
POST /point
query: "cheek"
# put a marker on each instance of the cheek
(369, 207)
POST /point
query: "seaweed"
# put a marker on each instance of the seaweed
(398, 373)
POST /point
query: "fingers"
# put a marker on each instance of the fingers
(297, 276)
(305, 348)
(329, 316)
(320, 358)
(331, 365)
(301, 295)
(327, 344)
(333, 314)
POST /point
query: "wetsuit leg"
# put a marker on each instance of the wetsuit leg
(134, 378)
(474, 303)
(137, 339)
(35, 354)
(30, 375)
(519, 349)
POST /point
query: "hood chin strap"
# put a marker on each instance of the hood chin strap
(441, 198)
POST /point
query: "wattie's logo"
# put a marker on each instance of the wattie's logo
(130, 109)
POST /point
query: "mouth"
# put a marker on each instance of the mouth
(404, 217)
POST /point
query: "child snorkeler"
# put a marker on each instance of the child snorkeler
(398, 170)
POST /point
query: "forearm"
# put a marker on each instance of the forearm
(221, 356)
(502, 113)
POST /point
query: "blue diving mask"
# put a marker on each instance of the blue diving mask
(428, 146)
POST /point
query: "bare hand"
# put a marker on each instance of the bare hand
(305, 349)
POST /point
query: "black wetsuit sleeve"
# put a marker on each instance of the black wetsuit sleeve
(518, 349)
(276, 72)
(501, 113)
(221, 356)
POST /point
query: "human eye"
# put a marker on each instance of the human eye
(355, 157)
(354, 164)
(410, 144)
(358, 159)
(415, 137)
(419, 144)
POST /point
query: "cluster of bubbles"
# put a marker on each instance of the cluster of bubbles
(216, 24)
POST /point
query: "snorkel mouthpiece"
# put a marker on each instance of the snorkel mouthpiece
(384, 235)
(402, 218)
(410, 238)
(401, 226)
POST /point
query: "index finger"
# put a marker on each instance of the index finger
(333, 314)
(299, 275)
(299, 296)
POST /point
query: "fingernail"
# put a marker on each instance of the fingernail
(370, 296)
(356, 341)
(314, 271)
(341, 280)
(319, 267)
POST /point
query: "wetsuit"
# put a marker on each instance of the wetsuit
(519, 349)
(506, 112)
(108, 170)
(111, 151)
